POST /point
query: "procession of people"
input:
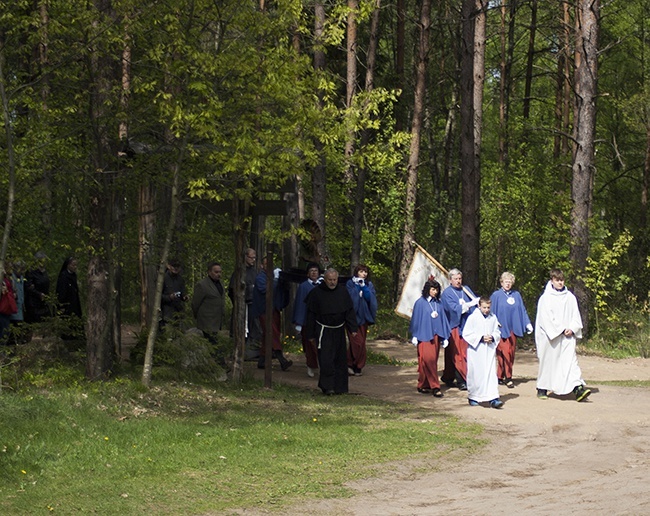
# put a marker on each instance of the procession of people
(476, 335)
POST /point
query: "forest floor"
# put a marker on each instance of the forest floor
(552, 456)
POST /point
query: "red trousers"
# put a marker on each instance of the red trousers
(460, 353)
(506, 356)
(357, 348)
(428, 364)
(449, 372)
(311, 353)
(276, 335)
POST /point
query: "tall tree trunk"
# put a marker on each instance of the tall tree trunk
(470, 174)
(399, 60)
(563, 92)
(164, 257)
(44, 81)
(99, 327)
(586, 91)
(530, 58)
(645, 182)
(508, 17)
(11, 164)
(319, 174)
(503, 81)
(351, 86)
(146, 241)
(414, 151)
(360, 194)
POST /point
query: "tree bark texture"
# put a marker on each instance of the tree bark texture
(360, 192)
(563, 93)
(583, 168)
(414, 151)
(319, 173)
(240, 210)
(470, 173)
(399, 60)
(11, 165)
(530, 58)
(351, 88)
(99, 322)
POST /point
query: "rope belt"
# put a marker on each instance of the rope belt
(322, 329)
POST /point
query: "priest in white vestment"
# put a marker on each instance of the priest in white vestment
(482, 334)
(557, 327)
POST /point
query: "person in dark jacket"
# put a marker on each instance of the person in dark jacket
(208, 302)
(280, 294)
(37, 290)
(174, 293)
(329, 313)
(67, 295)
(67, 288)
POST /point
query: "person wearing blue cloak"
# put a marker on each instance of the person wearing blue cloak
(364, 300)
(459, 302)
(509, 308)
(300, 316)
(430, 329)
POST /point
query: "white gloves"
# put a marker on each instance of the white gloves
(445, 343)
(529, 329)
(298, 328)
(414, 341)
(276, 273)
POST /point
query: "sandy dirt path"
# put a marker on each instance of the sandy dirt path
(552, 456)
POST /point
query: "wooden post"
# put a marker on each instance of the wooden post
(268, 320)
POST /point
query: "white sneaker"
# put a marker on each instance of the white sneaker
(350, 371)
(310, 372)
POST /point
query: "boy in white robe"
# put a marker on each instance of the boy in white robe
(557, 326)
(482, 334)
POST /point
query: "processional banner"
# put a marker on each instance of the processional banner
(423, 267)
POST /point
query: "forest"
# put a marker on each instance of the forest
(497, 134)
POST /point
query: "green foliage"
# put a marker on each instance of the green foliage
(228, 93)
(626, 333)
(604, 278)
(183, 355)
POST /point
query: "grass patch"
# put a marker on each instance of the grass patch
(623, 383)
(116, 448)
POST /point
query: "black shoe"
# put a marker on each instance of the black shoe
(581, 393)
(285, 364)
(424, 391)
(462, 386)
(450, 384)
(329, 393)
(542, 394)
(437, 393)
(509, 383)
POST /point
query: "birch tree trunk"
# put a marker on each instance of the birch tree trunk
(169, 233)
(414, 151)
